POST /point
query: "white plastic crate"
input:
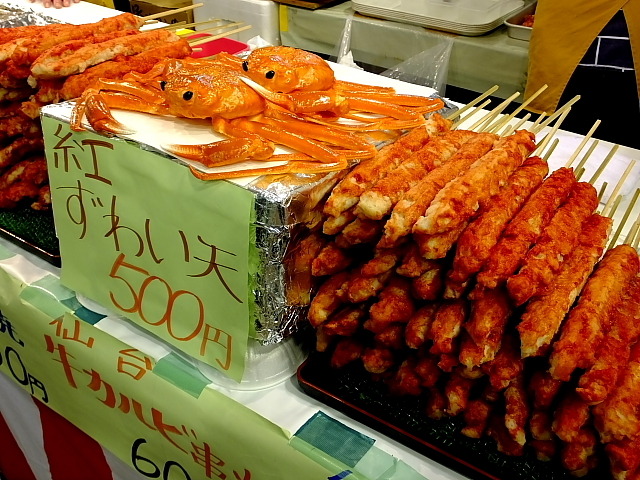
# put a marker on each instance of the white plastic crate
(262, 15)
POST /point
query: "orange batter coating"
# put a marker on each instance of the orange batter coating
(517, 409)
(18, 148)
(359, 231)
(490, 310)
(481, 235)
(457, 391)
(447, 325)
(347, 193)
(584, 328)
(571, 415)
(428, 286)
(557, 240)
(417, 328)
(415, 201)
(579, 456)
(378, 359)
(347, 350)
(435, 246)
(395, 304)
(460, 198)
(544, 315)
(613, 353)
(624, 457)
(330, 260)
(525, 228)
(618, 417)
(476, 418)
(330, 296)
(506, 366)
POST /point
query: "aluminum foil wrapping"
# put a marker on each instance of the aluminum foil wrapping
(288, 209)
(12, 15)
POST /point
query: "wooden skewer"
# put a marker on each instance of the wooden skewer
(550, 150)
(512, 128)
(615, 206)
(636, 240)
(459, 112)
(552, 133)
(603, 188)
(586, 155)
(604, 164)
(176, 26)
(579, 173)
(473, 112)
(556, 114)
(217, 28)
(495, 112)
(202, 40)
(511, 116)
(171, 12)
(538, 120)
(197, 24)
(624, 219)
(582, 144)
(621, 181)
(633, 231)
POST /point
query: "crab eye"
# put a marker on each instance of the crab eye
(188, 95)
(162, 85)
(270, 74)
(245, 66)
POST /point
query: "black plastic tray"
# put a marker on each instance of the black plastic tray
(352, 391)
(32, 230)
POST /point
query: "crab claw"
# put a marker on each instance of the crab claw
(224, 152)
(98, 114)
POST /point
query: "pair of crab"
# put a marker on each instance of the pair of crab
(277, 96)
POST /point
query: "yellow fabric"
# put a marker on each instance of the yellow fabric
(562, 32)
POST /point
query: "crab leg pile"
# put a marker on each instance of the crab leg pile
(40, 65)
(454, 266)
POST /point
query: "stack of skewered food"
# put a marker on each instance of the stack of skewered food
(40, 65)
(455, 266)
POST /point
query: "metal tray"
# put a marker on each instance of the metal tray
(515, 29)
(352, 391)
(32, 230)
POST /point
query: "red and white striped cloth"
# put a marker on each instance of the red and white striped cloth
(38, 444)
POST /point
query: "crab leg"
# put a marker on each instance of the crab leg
(289, 167)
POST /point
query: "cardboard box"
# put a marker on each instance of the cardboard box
(144, 8)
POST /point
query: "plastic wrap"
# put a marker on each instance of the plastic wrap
(428, 68)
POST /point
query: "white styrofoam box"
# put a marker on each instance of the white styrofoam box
(262, 15)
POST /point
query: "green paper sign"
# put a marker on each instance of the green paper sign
(144, 238)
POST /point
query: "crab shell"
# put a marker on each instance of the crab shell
(287, 69)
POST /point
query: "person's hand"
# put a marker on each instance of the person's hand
(57, 3)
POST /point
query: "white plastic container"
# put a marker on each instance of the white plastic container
(262, 15)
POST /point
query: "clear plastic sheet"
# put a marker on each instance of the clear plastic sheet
(428, 68)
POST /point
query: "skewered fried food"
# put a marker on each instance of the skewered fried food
(330, 296)
(19, 125)
(18, 149)
(506, 365)
(543, 389)
(347, 350)
(476, 418)
(43, 201)
(428, 286)
(586, 323)
(24, 50)
(428, 370)
(437, 245)
(457, 391)
(624, 457)
(578, 456)
(504, 442)
(416, 200)
(556, 241)
(475, 243)
(378, 201)
(544, 314)
(394, 304)
(298, 265)
(618, 417)
(377, 359)
(413, 264)
(70, 63)
(330, 260)
(392, 336)
(517, 409)
(58, 89)
(347, 193)
(490, 311)
(525, 228)
(418, 326)
(360, 231)
(346, 321)
(613, 353)
(446, 326)
(459, 199)
(571, 414)
(406, 381)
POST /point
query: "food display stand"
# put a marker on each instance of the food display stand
(146, 409)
